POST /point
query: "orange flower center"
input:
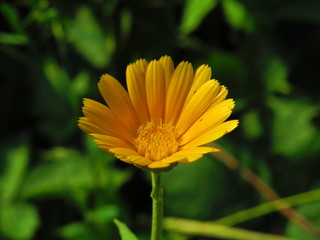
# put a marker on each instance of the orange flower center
(156, 141)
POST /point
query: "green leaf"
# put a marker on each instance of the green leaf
(194, 12)
(251, 125)
(43, 13)
(125, 23)
(13, 38)
(124, 231)
(77, 231)
(87, 36)
(64, 171)
(293, 133)
(18, 221)
(16, 163)
(176, 236)
(103, 214)
(11, 15)
(275, 75)
(78, 88)
(67, 171)
(237, 15)
(310, 211)
(93, 151)
(80, 84)
(56, 76)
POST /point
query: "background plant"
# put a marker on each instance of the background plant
(55, 184)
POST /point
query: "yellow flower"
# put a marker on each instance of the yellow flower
(164, 118)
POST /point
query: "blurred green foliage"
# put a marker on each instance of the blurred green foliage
(56, 184)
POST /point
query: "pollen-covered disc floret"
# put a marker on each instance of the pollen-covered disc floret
(165, 117)
(156, 141)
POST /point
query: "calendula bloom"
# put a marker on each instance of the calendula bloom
(164, 118)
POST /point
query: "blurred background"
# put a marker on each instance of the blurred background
(56, 184)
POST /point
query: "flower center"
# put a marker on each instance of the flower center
(156, 141)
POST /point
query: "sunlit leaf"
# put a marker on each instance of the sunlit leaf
(293, 133)
(94, 152)
(276, 75)
(67, 170)
(19, 221)
(77, 231)
(125, 23)
(103, 214)
(78, 88)
(56, 76)
(176, 236)
(57, 30)
(194, 12)
(80, 84)
(89, 40)
(16, 163)
(251, 125)
(237, 15)
(42, 12)
(124, 231)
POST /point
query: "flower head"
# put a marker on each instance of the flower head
(164, 118)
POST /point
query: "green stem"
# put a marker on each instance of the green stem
(157, 206)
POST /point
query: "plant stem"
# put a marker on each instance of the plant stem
(157, 206)
(266, 191)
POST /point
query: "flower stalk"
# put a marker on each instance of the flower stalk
(157, 206)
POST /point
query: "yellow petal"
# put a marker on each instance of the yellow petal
(197, 105)
(209, 120)
(124, 159)
(213, 134)
(119, 102)
(107, 148)
(194, 157)
(124, 152)
(221, 96)
(144, 65)
(172, 159)
(168, 67)
(202, 75)
(158, 164)
(178, 90)
(121, 157)
(139, 160)
(188, 154)
(88, 127)
(196, 150)
(101, 116)
(155, 88)
(191, 158)
(136, 85)
(110, 142)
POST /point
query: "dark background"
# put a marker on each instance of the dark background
(56, 184)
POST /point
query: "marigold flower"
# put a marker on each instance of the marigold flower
(164, 118)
